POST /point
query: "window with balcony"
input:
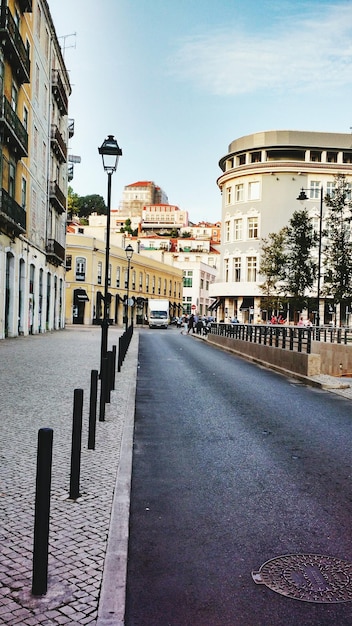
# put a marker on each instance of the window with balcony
(80, 269)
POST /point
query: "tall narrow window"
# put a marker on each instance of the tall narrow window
(239, 197)
(226, 268)
(80, 269)
(237, 269)
(254, 191)
(251, 269)
(227, 231)
(99, 272)
(228, 195)
(23, 193)
(12, 178)
(314, 192)
(238, 229)
(252, 228)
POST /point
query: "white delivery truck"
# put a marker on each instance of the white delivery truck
(158, 313)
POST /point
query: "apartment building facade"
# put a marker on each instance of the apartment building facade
(262, 175)
(34, 136)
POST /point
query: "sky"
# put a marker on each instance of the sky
(176, 81)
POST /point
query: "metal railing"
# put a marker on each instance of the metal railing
(287, 337)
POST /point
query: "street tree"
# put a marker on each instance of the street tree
(272, 268)
(301, 240)
(338, 252)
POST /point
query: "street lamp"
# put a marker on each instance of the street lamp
(302, 197)
(110, 153)
(129, 253)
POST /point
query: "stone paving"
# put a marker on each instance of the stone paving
(88, 537)
(38, 375)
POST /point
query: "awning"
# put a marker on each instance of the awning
(215, 304)
(248, 303)
(80, 295)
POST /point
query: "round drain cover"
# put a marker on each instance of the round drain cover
(307, 577)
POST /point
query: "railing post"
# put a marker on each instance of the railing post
(300, 333)
(42, 512)
(291, 338)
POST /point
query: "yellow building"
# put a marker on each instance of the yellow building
(35, 130)
(85, 267)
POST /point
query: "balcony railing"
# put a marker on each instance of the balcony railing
(14, 47)
(58, 144)
(59, 92)
(12, 129)
(57, 197)
(12, 215)
(55, 252)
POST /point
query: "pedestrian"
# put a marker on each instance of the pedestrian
(301, 322)
(190, 324)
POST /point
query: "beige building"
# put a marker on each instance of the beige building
(85, 267)
(35, 130)
(262, 175)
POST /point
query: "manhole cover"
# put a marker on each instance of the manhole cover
(307, 577)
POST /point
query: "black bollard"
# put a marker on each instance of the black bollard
(109, 367)
(92, 409)
(42, 512)
(76, 444)
(103, 383)
(114, 367)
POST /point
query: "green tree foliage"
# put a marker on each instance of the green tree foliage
(300, 267)
(272, 267)
(338, 254)
(91, 204)
(72, 202)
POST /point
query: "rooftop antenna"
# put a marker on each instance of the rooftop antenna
(64, 47)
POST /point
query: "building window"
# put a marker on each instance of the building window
(140, 281)
(254, 191)
(68, 262)
(251, 269)
(80, 269)
(226, 270)
(100, 272)
(159, 286)
(23, 193)
(256, 157)
(118, 276)
(330, 189)
(153, 284)
(187, 278)
(228, 195)
(315, 156)
(252, 228)
(133, 280)
(314, 191)
(237, 269)
(12, 178)
(109, 275)
(239, 192)
(241, 159)
(238, 229)
(165, 286)
(227, 231)
(147, 283)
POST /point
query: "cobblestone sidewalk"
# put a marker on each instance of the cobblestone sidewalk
(38, 376)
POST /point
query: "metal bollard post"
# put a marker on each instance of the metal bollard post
(92, 409)
(114, 366)
(102, 390)
(108, 376)
(76, 444)
(42, 512)
(119, 355)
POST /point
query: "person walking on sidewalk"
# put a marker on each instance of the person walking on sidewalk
(190, 324)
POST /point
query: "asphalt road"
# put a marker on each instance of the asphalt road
(233, 465)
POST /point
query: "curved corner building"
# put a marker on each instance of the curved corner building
(262, 175)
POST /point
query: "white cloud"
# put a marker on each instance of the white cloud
(302, 54)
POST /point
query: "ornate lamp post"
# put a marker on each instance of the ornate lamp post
(302, 197)
(110, 153)
(129, 253)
